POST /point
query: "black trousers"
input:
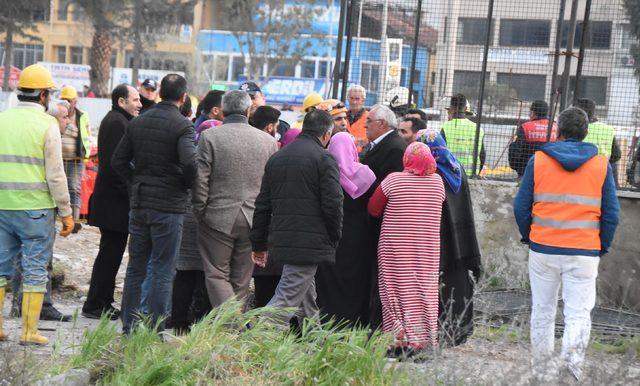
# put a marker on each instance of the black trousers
(265, 288)
(105, 269)
(190, 301)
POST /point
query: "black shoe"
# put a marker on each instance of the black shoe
(50, 313)
(114, 313)
(76, 227)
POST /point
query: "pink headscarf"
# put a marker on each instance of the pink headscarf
(289, 136)
(355, 177)
(418, 160)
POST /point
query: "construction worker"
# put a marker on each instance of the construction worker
(601, 135)
(32, 184)
(338, 112)
(357, 115)
(531, 135)
(76, 138)
(567, 211)
(310, 101)
(459, 132)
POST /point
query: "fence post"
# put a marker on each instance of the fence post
(414, 51)
(336, 65)
(554, 80)
(566, 74)
(487, 42)
(585, 32)
(347, 54)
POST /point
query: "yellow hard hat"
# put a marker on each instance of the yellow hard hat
(311, 100)
(68, 92)
(36, 77)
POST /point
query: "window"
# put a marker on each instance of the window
(599, 35)
(77, 55)
(40, 13)
(281, 68)
(592, 87)
(63, 8)
(524, 33)
(61, 54)
(472, 30)
(369, 76)
(25, 54)
(308, 69)
(221, 68)
(404, 78)
(467, 83)
(324, 67)
(77, 14)
(528, 87)
(237, 68)
(114, 57)
(626, 39)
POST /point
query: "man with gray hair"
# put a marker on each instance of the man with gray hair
(230, 162)
(567, 211)
(357, 114)
(383, 155)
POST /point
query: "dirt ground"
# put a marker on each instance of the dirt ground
(482, 360)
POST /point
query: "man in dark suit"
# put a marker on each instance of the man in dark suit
(383, 155)
(109, 205)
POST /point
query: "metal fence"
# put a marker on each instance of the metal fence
(502, 55)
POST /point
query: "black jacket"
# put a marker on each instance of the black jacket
(146, 104)
(298, 216)
(109, 204)
(157, 158)
(386, 157)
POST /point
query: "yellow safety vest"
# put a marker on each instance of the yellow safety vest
(460, 134)
(601, 135)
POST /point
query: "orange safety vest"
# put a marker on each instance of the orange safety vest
(567, 204)
(358, 130)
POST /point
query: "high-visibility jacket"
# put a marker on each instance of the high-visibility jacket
(358, 130)
(601, 135)
(23, 183)
(567, 204)
(460, 134)
(536, 131)
(84, 136)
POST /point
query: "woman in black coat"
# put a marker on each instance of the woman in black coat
(343, 288)
(109, 205)
(459, 250)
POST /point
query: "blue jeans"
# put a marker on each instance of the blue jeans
(154, 242)
(26, 236)
(74, 169)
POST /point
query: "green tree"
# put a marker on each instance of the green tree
(268, 31)
(633, 13)
(105, 16)
(17, 20)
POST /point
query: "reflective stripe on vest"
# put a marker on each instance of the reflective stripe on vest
(567, 204)
(460, 134)
(537, 130)
(23, 184)
(602, 136)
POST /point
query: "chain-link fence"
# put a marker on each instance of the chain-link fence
(502, 56)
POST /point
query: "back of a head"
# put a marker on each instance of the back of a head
(416, 124)
(263, 116)
(588, 106)
(317, 123)
(458, 103)
(173, 87)
(211, 100)
(540, 108)
(235, 102)
(121, 91)
(573, 123)
(185, 109)
(384, 113)
(419, 112)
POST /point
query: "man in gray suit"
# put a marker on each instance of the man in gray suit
(231, 160)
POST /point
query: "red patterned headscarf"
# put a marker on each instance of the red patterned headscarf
(418, 160)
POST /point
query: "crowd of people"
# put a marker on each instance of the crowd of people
(361, 216)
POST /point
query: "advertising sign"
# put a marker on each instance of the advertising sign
(124, 75)
(76, 75)
(13, 77)
(506, 55)
(283, 89)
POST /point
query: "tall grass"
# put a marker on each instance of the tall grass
(222, 350)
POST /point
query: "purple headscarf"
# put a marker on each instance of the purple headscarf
(289, 136)
(355, 177)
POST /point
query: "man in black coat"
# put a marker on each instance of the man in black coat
(156, 157)
(383, 155)
(298, 215)
(148, 94)
(109, 205)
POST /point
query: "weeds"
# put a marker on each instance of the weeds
(221, 349)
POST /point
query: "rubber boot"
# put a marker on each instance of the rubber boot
(31, 307)
(3, 336)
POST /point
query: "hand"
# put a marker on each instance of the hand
(260, 258)
(67, 226)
